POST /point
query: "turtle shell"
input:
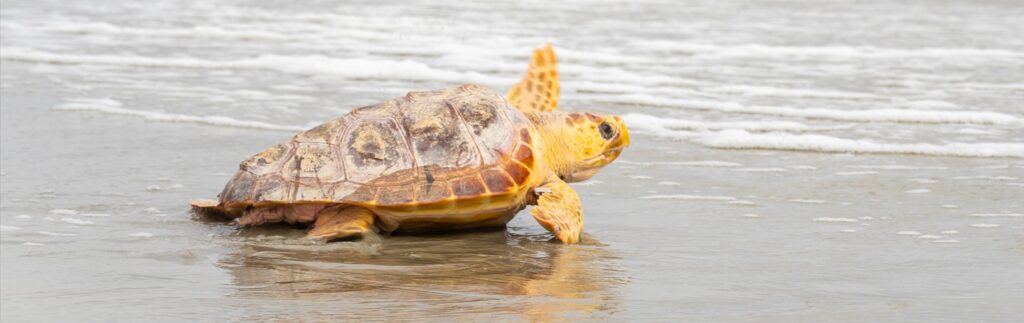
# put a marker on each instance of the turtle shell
(425, 147)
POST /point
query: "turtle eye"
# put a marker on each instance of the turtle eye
(606, 130)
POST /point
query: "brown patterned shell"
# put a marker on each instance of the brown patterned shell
(425, 147)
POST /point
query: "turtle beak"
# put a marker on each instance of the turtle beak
(621, 140)
(594, 164)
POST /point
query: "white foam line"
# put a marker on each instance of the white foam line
(827, 219)
(352, 68)
(113, 107)
(611, 85)
(994, 178)
(804, 167)
(807, 201)
(649, 121)
(750, 90)
(56, 234)
(868, 172)
(972, 131)
(986, 225)
(868, 115)
(698, 163)
(760, 170)
(739, 139)
(708, 163)
(76, 221)
(996, 214)
(928, 104)
(689, 197)
(896, 167)
(197, 31)
(761, 50)
(424, 44)
(597, 57)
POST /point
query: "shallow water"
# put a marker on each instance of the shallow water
(791, 161)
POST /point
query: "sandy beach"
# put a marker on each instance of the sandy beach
(790, 161)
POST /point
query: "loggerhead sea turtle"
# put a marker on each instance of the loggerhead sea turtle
(437, 160)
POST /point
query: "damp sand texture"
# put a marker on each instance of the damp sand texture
(790, 161)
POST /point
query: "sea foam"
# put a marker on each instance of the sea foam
(997, 214)
(650, 121)
(76, 221)
(750, 90)
(739, 139)
(828, 219)
(56, 234)
(689, 197)
(353, 68)
(109, 106)
(866, 115)
(986, 225)
(844, 52)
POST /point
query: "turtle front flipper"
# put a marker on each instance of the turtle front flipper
(539, 89)
(560, 211)
(342, 222)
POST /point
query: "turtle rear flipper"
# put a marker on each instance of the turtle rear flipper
(208, 209)
(342, 222)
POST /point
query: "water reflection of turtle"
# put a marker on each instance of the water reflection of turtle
(509, 277)
(438, 160)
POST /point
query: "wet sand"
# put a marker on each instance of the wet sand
(712, 215)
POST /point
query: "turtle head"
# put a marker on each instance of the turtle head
(581, 143)
(595, 141)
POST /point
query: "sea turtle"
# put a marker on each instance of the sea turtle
(437, 160)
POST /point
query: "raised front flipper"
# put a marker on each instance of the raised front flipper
(560, 211)
(342, 222)
(539, 89)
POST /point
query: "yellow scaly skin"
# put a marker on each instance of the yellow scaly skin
(574, 147)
